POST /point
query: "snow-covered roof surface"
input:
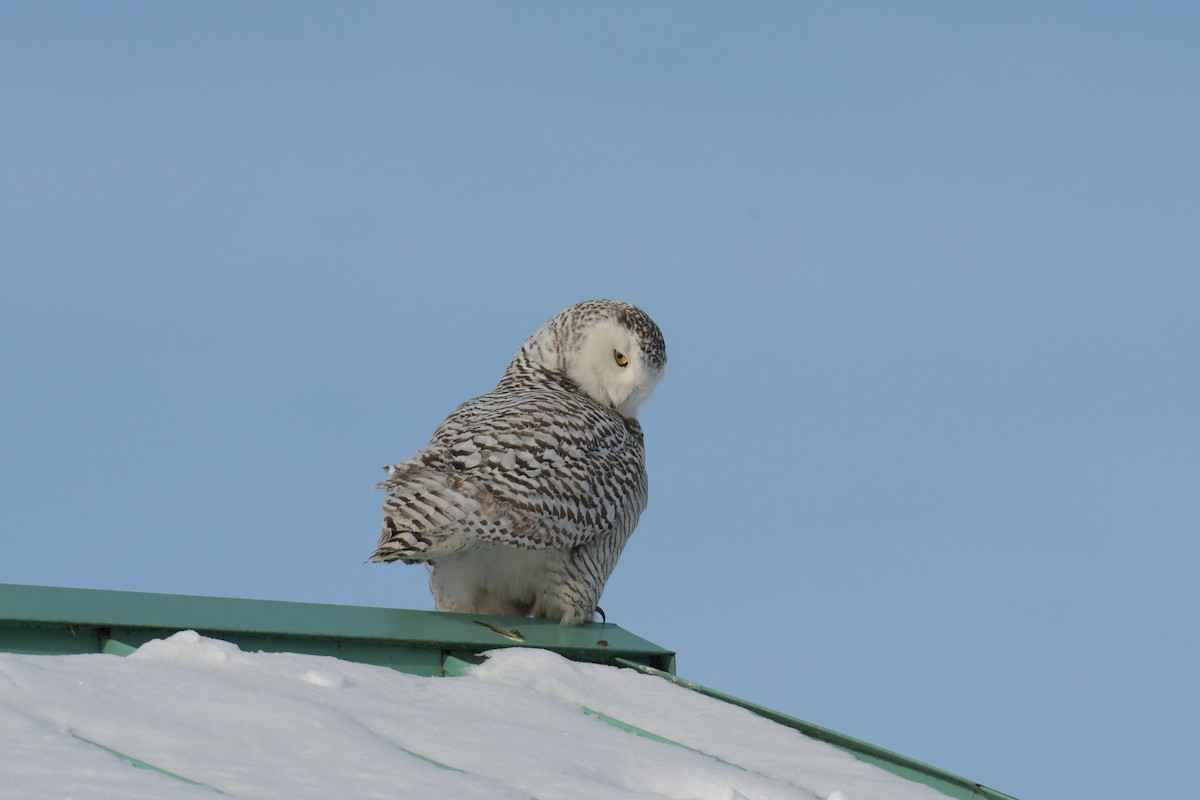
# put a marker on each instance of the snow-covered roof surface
(207, 717)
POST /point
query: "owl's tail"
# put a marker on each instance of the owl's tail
(396, 544)
(422, 516)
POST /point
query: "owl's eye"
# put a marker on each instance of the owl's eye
(620, 358)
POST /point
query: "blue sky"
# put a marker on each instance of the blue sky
(925, 465)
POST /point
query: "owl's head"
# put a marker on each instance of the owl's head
(611, 350)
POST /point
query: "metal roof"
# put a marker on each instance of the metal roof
(55, 621)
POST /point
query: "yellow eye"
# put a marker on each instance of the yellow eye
(620, 358)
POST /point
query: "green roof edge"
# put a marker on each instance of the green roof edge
(48, 620)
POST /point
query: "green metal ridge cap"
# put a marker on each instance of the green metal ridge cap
(45, 606)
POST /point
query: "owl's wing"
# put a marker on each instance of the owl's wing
(544, 470)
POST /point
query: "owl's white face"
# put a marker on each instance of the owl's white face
(611, 367)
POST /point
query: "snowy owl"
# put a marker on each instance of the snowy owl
(524, 498)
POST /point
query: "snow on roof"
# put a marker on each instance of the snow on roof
(207, 717)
